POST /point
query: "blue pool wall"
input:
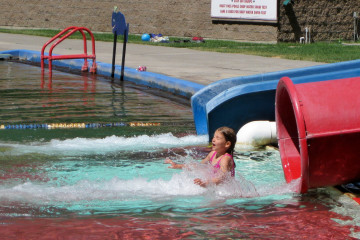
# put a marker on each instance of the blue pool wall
(170, 84)
(236, 101)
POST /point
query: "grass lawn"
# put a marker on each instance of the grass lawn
(328, 52)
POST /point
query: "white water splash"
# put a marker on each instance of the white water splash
(82, 146)
(75, 180)
(181, 184)
(115, 189)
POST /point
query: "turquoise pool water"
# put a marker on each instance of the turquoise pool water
(110, 182)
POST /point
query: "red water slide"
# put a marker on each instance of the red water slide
(318, 127)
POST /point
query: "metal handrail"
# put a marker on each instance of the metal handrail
(85, 56)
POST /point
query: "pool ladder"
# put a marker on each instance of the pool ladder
(70, 31)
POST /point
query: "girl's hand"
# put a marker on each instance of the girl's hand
(200, 182)
(169, 161)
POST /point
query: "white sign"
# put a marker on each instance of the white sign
(245, 9)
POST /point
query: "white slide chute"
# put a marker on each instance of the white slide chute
(256, 134)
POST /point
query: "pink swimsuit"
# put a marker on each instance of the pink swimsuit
(217, 165)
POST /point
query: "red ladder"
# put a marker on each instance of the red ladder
(85, 56)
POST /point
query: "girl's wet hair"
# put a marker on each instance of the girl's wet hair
(229, 135)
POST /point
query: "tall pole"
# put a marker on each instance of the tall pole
(114, 54)
(123, 54)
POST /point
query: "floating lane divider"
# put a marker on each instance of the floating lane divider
(77, 125)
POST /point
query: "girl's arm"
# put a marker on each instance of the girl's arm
(215, 181)
(225, 166)
(202, 183)
(174, 165)
(181, 166)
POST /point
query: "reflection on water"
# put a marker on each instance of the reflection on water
(111, 183)
(81, 99)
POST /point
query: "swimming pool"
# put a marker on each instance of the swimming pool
(108, 181)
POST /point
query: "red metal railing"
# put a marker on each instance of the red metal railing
(69, 31)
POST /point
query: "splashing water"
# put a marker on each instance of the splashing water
(134, 186)
(81, 170)
(85, 146)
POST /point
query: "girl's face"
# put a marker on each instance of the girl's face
(219, 142)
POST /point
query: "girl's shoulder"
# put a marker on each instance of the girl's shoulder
(226, 159)
(211, 153)
(208, 157)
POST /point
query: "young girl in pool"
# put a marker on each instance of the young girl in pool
(221, 157)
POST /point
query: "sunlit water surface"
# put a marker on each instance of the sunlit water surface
(111, 182)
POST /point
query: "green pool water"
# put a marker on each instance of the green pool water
(109, 182)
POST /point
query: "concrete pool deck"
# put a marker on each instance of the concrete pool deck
(192, 65)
